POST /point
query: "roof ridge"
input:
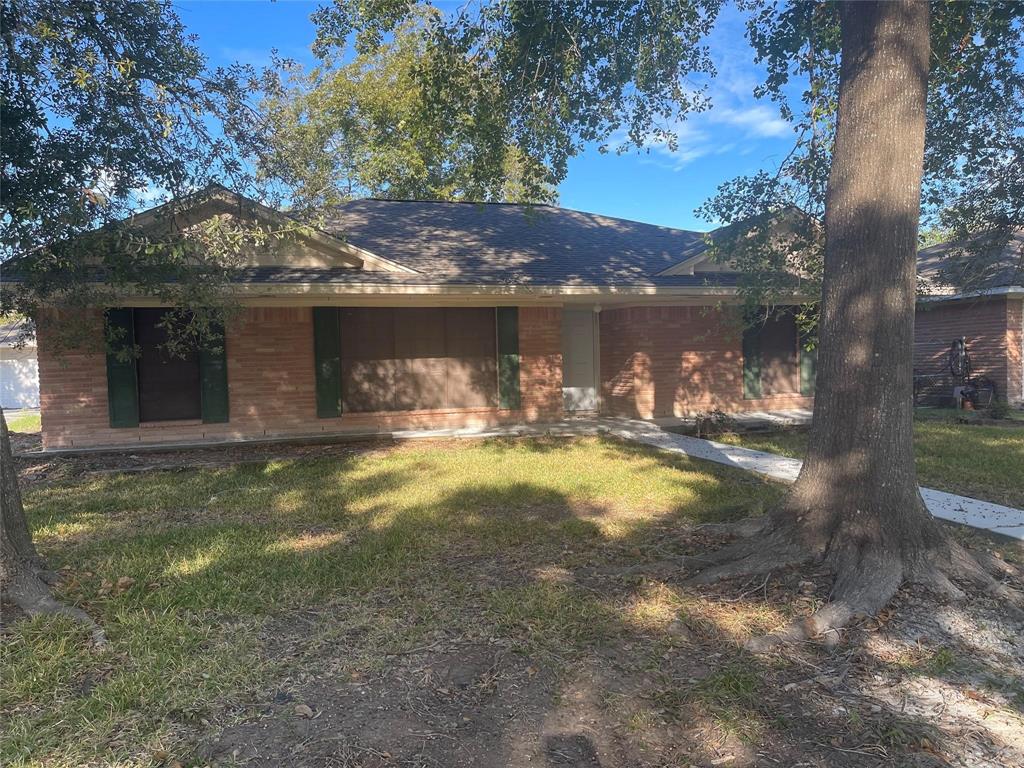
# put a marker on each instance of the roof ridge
(454, 202)
(530, 205)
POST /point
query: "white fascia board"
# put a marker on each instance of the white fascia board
(1010, 291)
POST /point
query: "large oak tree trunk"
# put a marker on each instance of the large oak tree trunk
(857, 494)
(856, 505)
(24, 579)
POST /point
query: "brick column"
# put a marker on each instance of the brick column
(540, 354)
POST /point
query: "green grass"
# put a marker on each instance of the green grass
(379, 544)
(1013, 415)
(982, 462)
(28, 422)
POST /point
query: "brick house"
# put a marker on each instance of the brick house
(980, 300)
(402, 314)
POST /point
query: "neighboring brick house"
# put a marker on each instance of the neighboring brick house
(424, 315)
(979, 299)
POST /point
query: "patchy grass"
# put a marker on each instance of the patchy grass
(26, 423)
(461, 603)
(1013, 415)
(978, 461)
(190, 571)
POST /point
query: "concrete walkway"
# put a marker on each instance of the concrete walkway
(948, 506)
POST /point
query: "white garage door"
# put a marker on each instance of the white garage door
(19, 383)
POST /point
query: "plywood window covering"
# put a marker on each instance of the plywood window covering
(169, 386)
(403, 359)
(771, 357)
(779, 359)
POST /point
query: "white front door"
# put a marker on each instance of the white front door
(579, 372)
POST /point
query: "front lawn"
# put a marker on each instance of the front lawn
(28, 423)
(503, 602)
(184, 569)
(983, 462)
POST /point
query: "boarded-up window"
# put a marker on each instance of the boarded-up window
(168, 385)
(417, 358)
(780, 363)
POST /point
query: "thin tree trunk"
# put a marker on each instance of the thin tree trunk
(23, 577)
(12, 513)
(856, 505)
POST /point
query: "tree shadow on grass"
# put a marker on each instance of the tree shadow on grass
(495, 623)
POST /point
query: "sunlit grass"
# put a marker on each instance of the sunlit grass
(187, 571)
(23, 422)
(972, 460)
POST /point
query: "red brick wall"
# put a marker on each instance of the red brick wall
(540, 352)
(271, 387)
(1015, 350)
(992, 327)
(674, 361)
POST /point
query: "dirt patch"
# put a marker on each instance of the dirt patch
(926, 684)
(452, 707)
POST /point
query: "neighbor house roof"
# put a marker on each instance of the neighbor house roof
(953, 268)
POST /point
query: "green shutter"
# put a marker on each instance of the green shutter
(808, 361)
(122, 379)
(751, 362)
(508, 358)
(327, 354)
(213, 379)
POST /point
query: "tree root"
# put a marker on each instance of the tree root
(746, 528)
(745, 558)
(865, 579)
(977, 568)
(28, 590)
(862, 588)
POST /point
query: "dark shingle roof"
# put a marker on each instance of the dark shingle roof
(514, 244)
(493, 244)
(949, 266)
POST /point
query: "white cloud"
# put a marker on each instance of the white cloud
(726, 127)
(756, 120)
(736, 120)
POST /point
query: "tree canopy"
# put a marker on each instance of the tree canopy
(974, 147)
(362, 128)
(545, 79)
(554, 78)
(104, 102)
(109, 106)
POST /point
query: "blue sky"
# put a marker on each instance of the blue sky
(737, 136)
